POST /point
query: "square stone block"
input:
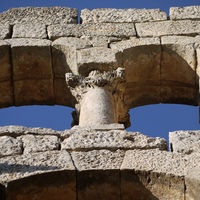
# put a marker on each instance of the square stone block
(142, 63)
(34, 91)
(31, 58)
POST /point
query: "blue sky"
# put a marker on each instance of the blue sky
(152, 120)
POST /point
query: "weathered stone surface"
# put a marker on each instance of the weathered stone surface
(20, 166)
(5, 32)
(190, 12)
(186, 142)
(198, 65)
(49, 15)
(16, 131)
(134, 42)
(37, 143)
(96, 58)
(160, 172)
(145, 94)
(154, 29)
(34, 92)
(48, 185)
(31, 58)
(5, 62)
(98, 175)
(192, 184)
(12, 131)
(7, 96)
(62, 93)
(29, 30)
(180, 58)
(100, 127)
(115, 139)
(10, 146)
(64, 53)
(123, 30)
(106, 15)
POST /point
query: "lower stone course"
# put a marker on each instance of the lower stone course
(97, 172)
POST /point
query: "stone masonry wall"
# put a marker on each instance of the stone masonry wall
(160, 55)
(39, 163)
(39, 45)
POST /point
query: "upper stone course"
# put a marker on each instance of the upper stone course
(105, 15)
(44, 15)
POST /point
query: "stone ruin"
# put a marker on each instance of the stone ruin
(114, 60)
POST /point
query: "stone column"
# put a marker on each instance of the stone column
(100, 98)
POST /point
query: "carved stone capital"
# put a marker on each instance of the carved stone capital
(112, 82)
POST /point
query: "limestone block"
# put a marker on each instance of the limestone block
(179, 93)
(185, 141)
(48, 175)
(6, 94)
(154, 29)
(101, 41)
(66, 30)
(189, 12)
(32, 143)
(49, 15)
(31, 58)
(113, 139)
(121, 30)
(21, 166)
(96, 58)
(158, 174)
(5, 31)
(142, 61)
(64, 53)
(98, 175)
(34, 92)
(178, 57)
(16, 131)
(139, 95)
(13, 131)
(10, 146)
(29, 30)
(192, 184)
(106, 15)
(50, 185)
(5, 62)
(62, 93)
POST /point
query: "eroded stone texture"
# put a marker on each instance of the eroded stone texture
(37, 143)
(106, 15)
(155, 29)
(155, 171)
(96, 58)
(121, 30)
(190, 12)
(5, 31)
(98, 175)
(20, 166)
(10, 146)
(114, 139)
(47, 15)
(29, 30)
(192, 182)
(186, 142)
